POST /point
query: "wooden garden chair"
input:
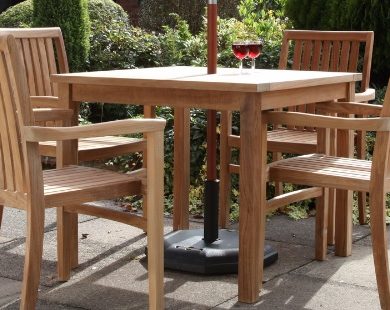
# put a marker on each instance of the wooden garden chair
(23, 184)
(313, 50)
(326, 171)
(43, 53)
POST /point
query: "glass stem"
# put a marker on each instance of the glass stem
(253, 64)
(240, 66)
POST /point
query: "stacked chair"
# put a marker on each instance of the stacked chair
(306, 50)
(324, 171)
(24, 185)
(43, 53)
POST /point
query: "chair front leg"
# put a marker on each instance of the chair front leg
(33, 258)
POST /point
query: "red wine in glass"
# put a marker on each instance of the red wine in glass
(254, 51)
(240, 50)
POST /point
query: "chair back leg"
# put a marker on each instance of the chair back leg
(321, 231)
(33, 257)
(362, 196)
(67, 243)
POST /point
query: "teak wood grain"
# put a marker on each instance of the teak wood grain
(336, 51)
(23, 184)
(186, 87)
(346, 174)
(43, 53)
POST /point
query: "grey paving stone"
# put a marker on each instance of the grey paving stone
(284, 229)
(41, 305)
(9, 291)
(291, 256)
(357, 269)
(367, 240)
(123, 285)
(13, 225)
(296, 292)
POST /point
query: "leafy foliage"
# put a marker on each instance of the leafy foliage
(156, 13)
(18, 16)
(73, 19)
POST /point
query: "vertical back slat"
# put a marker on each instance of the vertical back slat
(344, 57)
(283, 57)
(335, 58)
(353, 56)
(37, 66)
(367, 61)
(315, 65)
(29, 67)
(325, 56)
(5, 144)
(297, 55)
(10, 109)
(307, 54)
(44, 67)
(61, 54)
(51, 58)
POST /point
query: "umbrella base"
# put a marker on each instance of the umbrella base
(185, 250)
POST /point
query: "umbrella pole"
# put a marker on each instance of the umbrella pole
(210, 251)
(211, 194)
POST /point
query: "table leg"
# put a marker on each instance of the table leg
(252, 201)
(343, 224)
(67, 223)
(181, 170)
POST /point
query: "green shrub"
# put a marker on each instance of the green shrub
(73, 19)
(156, 13)
(115, 44)
(18, 16)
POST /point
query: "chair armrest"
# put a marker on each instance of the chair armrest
(44, 101)
(52, 114)
(367, 95)
(40, 134)
(322, 121)
(350, 108)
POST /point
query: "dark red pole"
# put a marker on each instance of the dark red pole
(211, 194)
(211, 69)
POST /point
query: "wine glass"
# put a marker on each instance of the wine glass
(240, 50)
(254, 51)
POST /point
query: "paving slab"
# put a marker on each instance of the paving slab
(41, 305)
(9, 290)
(296, 292)
(113, 271)
(366, 241)
(357, 269)
(284, 229)
(14, 222)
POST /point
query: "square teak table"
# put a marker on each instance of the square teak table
(249, 93)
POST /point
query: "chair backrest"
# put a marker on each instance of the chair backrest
(340, 51)
(43, 53)
(15, 113)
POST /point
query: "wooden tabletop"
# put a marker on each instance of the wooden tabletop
(196, 78)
